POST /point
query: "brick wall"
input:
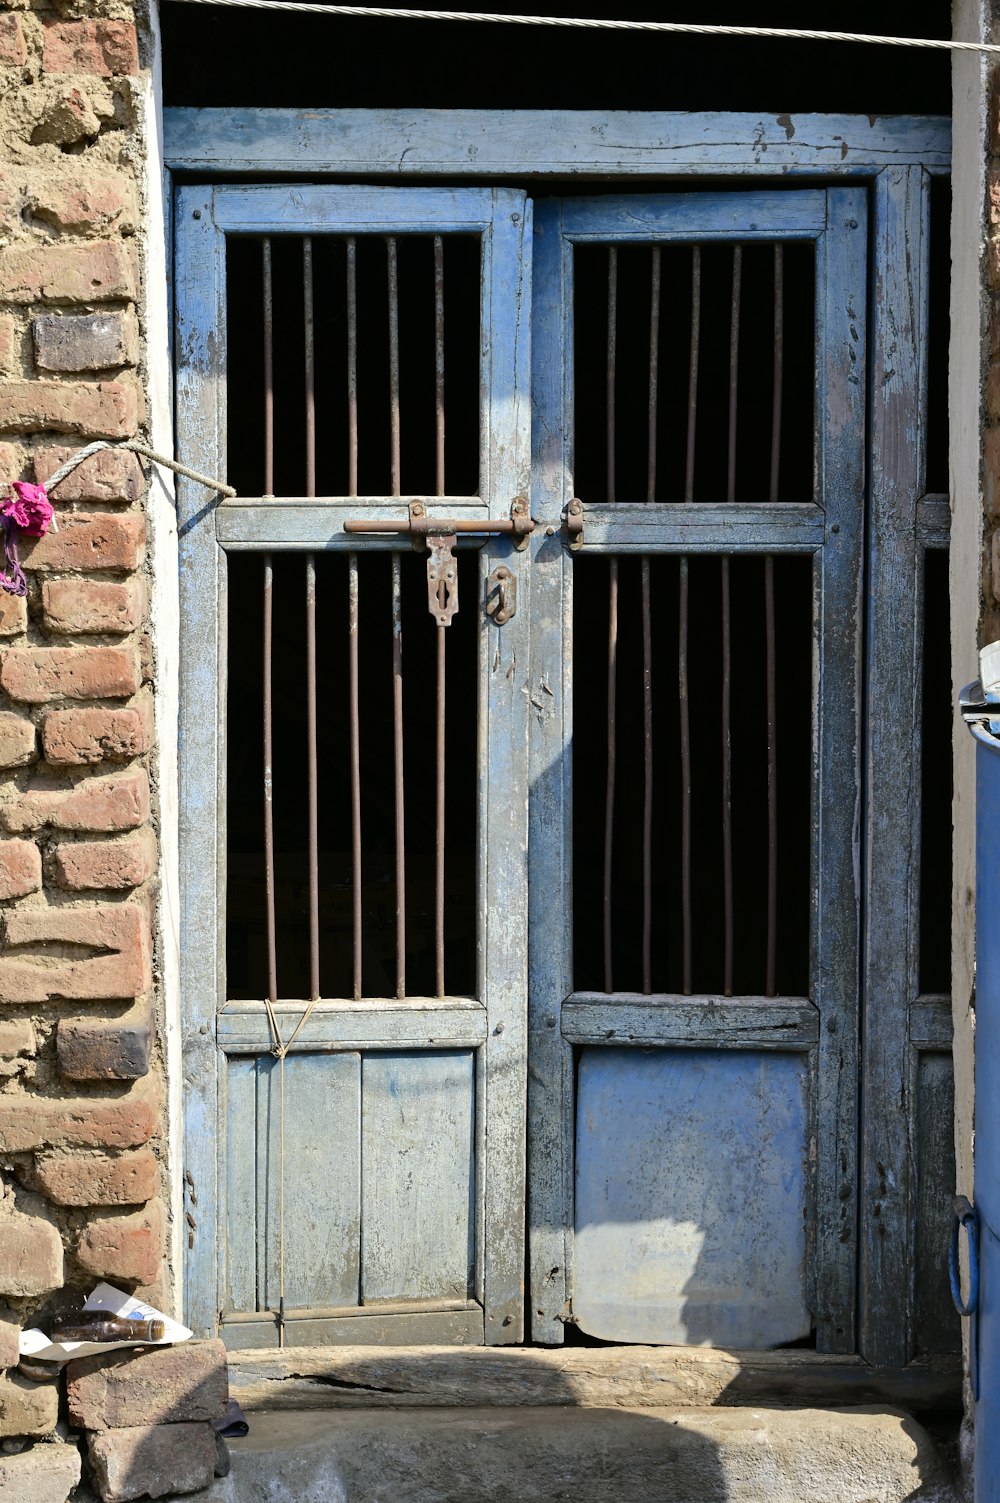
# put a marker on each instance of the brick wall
(81, 1091)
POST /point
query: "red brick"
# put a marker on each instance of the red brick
(85, 341)
(993, 391)
(80, 737)
(30, 1122)
(110, 803)
(13, 615)
(163, 1386)
(31, 1256)
(117, 965)
(151, 1459)
(17, 1038)
(10, 1338)
(105, 409)
(17, 740)
(93, 605)
(106, 1048)
(68, 273)
(107, 865)
(12, 48)
(27, 1409)
(88, 541)
(991, 471)
(36, 674)
(95, 1179)
(103, 48)
(85, 205)
(20, 868)
(66, 116)
(111, 475)
(8, 342)
(124, 1249)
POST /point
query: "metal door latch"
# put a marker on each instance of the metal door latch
(574, 524)
(442, 577)
(501, 595)
(439, 536)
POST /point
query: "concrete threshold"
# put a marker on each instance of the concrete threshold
(587, 1455)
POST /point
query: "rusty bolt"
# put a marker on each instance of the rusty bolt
(503, 574)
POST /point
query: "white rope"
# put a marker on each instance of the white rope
(137, 447)
(683, 28)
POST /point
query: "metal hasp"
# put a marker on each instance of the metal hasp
(438, 535)
(574, 524)
(501, 595)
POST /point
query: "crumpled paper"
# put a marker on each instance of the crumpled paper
(109, 1301)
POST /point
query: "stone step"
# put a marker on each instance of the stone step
(593, 1455)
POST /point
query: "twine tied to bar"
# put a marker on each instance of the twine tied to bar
(29, 510)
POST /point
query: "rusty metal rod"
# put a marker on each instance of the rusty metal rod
(268, 736)
(772, 725)
(609, 794)
(397, 740)
(313, 776)
(683, 692)
(393, 286)
(727, 751)
(439, 362)
(647, 637)
(355, 720)
(352, 365)
(439, 814)
(268, 370)
(433, 524)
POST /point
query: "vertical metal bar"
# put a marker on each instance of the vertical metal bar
(310, 364)
(397, 739)
(439, 832)
(311, 754)
(609, 796)
(727, 752)
(393, 286)
(682, 653)
(647, 637)
(268, 729)
(439, 362)
(313, 776)
(355, 718)
(772, 729)
(268, 371)
(352, 365)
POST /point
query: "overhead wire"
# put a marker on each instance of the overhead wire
(677, 28)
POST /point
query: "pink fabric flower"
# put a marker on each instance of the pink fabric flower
(29, 508)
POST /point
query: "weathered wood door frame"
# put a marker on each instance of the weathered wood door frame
(896, 158)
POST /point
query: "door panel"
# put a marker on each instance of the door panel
(587, 1186)
(691, 1180)
(355, 1042)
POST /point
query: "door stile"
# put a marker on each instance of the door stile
(840, 427)
(200, 313)
(504, 658)
(897, 413)
(550, 888)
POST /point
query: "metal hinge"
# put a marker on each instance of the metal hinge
(574, 524)
(439, 536)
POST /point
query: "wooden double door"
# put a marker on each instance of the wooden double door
(551, 697)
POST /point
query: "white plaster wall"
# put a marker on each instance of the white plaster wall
(165, 621)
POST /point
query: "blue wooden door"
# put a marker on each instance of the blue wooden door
(698, 1027)
(354, 1148)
